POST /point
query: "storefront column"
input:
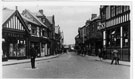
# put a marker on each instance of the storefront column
(104, 39)
(27, 47)
(40, 49)
(121, 41)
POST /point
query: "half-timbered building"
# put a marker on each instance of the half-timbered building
(38, 31)
(116, 29)
(14, 35)
(46, 33)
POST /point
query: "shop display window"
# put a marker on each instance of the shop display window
(125, 36)
(17, 49)
(113, 38)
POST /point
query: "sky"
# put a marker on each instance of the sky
(69, 18)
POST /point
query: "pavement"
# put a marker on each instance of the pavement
(14, 61)
(124, 63)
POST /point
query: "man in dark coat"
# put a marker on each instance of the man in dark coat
(33, 56)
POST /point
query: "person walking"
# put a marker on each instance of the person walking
(100, 54)
(104, 53)
(115, 57)
(33, 55)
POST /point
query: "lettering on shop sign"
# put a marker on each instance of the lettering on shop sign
(13, 35)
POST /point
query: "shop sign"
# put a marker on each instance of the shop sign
(101, 26)
(13, 35)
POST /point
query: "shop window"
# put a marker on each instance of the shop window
(113, 38)
(21, 49)
(125, 36)
(108, 38)
(17, 49)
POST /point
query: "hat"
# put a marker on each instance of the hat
(116, 51)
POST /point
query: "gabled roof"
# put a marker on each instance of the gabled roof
(98, 17)
(38, 14)
(26, 19)
(34, 16)
(50, 19)
(7, 13)
(57, 29)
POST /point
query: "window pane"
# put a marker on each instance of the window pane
(124, 18)
(127, 17)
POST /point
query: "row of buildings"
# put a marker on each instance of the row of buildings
(108, 31)
(20, 30)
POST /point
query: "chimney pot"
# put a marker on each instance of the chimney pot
(16, 7)
(41, 11)
(93, 16)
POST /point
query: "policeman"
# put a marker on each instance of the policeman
(33, 56)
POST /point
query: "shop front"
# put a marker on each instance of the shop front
(14, 34)
(118, 38)
(14, 45)
(37, 44)
(43, 47)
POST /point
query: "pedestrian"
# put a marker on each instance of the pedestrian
(85, 51)
(115, 57)
(100, 54)
(104, 53)
(33, 55)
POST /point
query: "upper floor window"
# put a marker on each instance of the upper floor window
(38, 31)
(112, 11)
(29, 26)
(34, 32)
(118, 10)
(103, 15)
(43, 20)
(44, 32)
(126, 8)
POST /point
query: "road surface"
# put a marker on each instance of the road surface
(68, 65)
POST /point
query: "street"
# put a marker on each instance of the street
(68, 65)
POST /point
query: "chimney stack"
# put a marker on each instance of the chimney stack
(41, 11)
(16, 7)
(93, 16)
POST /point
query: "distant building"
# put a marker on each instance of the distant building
(59, 38)
(89, 36)
(94, 36)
